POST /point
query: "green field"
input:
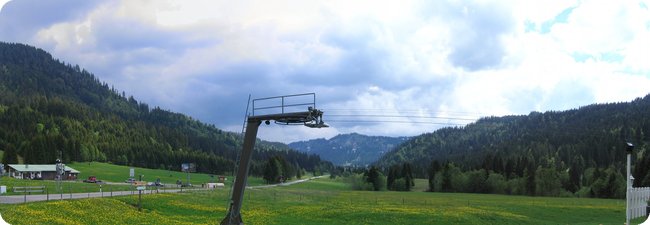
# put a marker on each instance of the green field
(323, 201)
(118, 174)
(51, 186)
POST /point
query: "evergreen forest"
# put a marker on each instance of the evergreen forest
(51, 109)
(578, 152)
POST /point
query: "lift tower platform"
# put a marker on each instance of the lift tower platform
(283, 110)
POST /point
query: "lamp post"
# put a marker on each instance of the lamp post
(629, 147)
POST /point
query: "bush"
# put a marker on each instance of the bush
(399, 185)
(358, 182)
(584, 192)
(496, 183)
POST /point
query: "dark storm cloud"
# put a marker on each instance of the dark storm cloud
(20, 19)
(220, 96)
(364, 58)
(479, 44)
(477, 32)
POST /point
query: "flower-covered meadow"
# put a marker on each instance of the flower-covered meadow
(321, 201)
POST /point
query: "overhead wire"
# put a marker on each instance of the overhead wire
(451, 121)
(404, 116)
(426, 111)
(396, 116)
(393, 121)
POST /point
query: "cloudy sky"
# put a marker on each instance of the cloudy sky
(415, 66)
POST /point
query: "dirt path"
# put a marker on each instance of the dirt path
(285, 184)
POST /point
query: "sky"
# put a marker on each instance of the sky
(391, 68)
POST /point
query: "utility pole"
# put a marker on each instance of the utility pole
(60, 172)
(629, 147)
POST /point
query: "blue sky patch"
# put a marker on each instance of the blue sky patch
(529, 26)
(581, 57)
(563, 17)
(604, 57)
(611, 57)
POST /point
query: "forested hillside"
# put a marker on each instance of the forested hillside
(47, 107)
(349, 149)
(578, 152)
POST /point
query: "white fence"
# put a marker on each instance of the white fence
(638, 201)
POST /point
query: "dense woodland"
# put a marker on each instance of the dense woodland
(47, 107)
(579, 152)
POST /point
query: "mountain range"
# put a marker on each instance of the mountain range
(349, 149)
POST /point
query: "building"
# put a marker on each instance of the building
(39, 172)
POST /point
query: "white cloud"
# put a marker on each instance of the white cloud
(430, 59)
(3, 2)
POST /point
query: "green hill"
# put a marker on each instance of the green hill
(580, 151)
(49, 108)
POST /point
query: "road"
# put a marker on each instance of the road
(15, 199)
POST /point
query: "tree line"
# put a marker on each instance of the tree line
(49, 108)
(578, 152)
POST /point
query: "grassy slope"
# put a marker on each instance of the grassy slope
(68, 186)
(116, 173)
(113, 173)
(324, 201)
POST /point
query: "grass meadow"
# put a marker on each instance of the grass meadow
(323, 201)
(115, 173)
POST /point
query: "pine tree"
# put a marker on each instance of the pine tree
(390, 178)
(272, 170)
(10, 156)
(407, 174)
(373, 177)
(433, 169)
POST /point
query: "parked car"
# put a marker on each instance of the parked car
(157, 184)
(130, 180)
(93, 179)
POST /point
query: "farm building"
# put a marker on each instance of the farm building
(39, 172)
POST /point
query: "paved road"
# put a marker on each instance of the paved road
(15, 199)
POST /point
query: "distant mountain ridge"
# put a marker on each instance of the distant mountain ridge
(349, 149)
